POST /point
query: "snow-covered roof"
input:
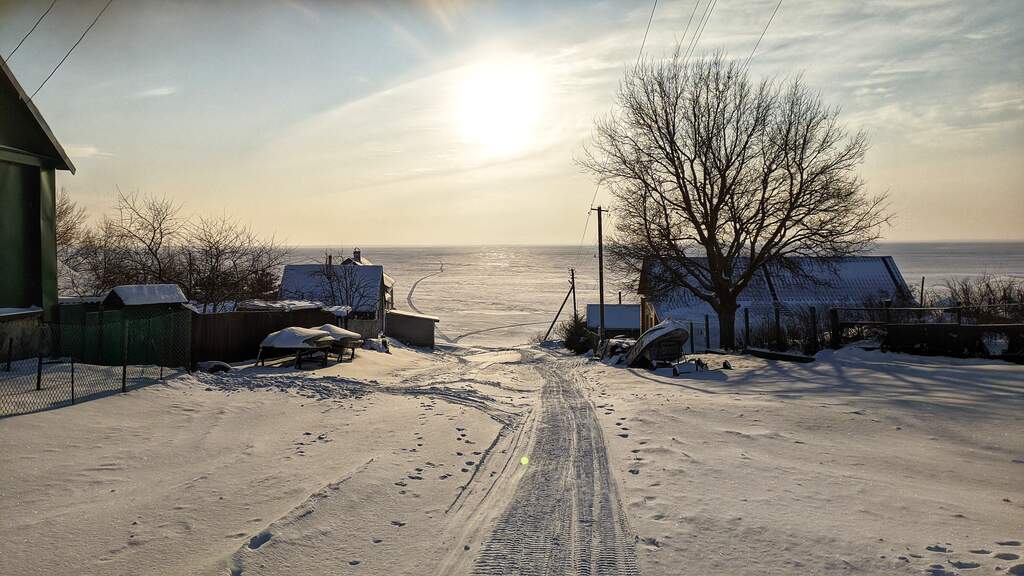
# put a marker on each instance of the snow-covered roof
(357, 286)
(20, 311)
(616, 316)
(143, 294)
(296, 337)
(849, 281)
(338, 311)
(413, 315)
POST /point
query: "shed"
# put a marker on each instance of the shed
(411, 328)
(619, 319)
(145, 295)
(29, 158)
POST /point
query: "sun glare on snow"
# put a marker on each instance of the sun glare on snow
(499, 105)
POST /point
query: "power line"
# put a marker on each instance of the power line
(758, 43)
(644, 42)
(82, 37)
(586, 226)
(25, 37)
(708, 9)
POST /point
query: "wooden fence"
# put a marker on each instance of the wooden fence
(235, 336)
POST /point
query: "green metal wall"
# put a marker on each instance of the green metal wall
(28, 250)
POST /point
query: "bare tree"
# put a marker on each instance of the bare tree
(70, 231)
(344, 285)
(716, 177)
(226, 261)
(213, 260)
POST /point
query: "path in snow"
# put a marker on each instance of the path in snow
(566, 515)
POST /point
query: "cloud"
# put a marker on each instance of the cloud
(157, 92)
(76, 151)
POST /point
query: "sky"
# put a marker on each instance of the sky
(447, 122)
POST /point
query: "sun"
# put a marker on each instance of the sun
(499, 105)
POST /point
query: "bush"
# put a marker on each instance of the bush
(578, 338)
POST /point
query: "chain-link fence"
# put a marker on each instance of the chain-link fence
(86, 354)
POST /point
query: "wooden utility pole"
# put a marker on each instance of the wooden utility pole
(572, 283)
(600, 270)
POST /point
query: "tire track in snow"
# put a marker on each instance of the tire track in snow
(565, 516)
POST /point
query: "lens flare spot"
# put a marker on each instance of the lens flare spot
(524, 460)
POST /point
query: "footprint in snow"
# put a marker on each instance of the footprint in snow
(397, 523)
(1009, 543)
(937, 548)
(964, 565)
(259, 540)
(1007, 556)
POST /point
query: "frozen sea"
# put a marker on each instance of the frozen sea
(506, 295)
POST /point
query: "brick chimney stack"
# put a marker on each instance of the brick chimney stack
(357, 255)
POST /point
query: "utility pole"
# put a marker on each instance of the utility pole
(600, 271)
(572, 282)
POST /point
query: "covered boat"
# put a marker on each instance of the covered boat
(662, 344)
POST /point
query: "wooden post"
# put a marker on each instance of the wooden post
(922, 292)
(835, 337)
(600, 271)
(572, 283)
(559, 313)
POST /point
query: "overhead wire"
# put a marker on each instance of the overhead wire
(34, 26)
(761, 37)
(644, 42)
(72, 49)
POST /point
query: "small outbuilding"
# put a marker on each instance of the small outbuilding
(619, 319)
(411, 328)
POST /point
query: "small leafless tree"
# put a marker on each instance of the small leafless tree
(71, 230)
(716, 176)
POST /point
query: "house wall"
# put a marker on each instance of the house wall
(21, 282)
(21, 336)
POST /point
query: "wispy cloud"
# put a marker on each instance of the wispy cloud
(157, 92)
(86, 151)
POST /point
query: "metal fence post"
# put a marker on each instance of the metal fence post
(814, 330)
(10, 352)
(691, 337)
(39, 372)
(707, 333)
(124, 353)
(72, 379)
(834, 330)
(778, 328)
(746, 327)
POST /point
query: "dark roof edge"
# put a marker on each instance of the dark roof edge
(65, 162)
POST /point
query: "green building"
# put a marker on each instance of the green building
(29, 159)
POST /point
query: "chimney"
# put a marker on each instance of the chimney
(330, 260)
(357, 255)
